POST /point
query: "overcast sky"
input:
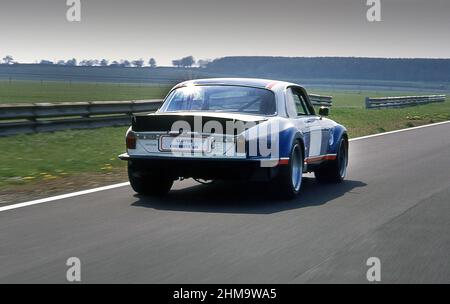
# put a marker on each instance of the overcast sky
(168, 29)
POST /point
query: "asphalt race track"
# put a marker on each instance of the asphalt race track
(395, 205)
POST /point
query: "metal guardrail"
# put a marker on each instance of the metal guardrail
(401, 101)
(319, 100)
(47, 117)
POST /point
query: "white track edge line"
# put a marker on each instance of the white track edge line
(401, 130)
(63, 196)
(79, 193)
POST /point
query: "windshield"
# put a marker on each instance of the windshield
(234, 99)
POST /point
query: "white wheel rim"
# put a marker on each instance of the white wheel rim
(343, 161)
(296, 168)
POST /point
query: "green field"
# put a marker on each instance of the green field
(26, 159)
(47, 91)
(31, 92)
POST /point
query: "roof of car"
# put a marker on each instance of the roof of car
(251, 82)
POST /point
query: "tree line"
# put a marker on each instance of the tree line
(9, 60)
(296, 68)
(185, 62)
(390, 69)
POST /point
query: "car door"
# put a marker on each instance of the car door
(305, 119)
(322, 126)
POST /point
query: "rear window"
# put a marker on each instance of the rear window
(233, 99)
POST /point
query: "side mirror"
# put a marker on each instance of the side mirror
(324, 111)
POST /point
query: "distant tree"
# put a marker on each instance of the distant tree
(46, 62)
(115, 64)
(8, 59)
(138, 63)
(176, 63)
(203, 63)
(60, 62)
(104, 62)
(187, 62)
(89, 62)
(152, 63)
(125, 63)
(71, 62)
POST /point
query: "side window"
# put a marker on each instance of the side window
(291, 108)
(300, 105)
(296, 104)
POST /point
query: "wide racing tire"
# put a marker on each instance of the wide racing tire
(289, 180)
(149, 183)
(336, 170)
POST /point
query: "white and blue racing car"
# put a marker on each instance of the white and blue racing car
(230, 129)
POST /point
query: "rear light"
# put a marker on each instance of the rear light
(131, 140)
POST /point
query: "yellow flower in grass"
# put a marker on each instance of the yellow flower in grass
(107, 167)
(27, 178)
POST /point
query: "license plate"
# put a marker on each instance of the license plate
(185, 144)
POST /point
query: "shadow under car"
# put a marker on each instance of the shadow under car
(245, 197)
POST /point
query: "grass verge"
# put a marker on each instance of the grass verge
(50, 156)
(361, 122)
(32, 91)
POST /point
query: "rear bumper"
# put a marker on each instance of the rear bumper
(205, 168)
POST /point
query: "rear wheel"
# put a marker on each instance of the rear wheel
(289, 181)
(149, 183)
(335, 171)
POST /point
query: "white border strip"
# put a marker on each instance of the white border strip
(64, 196)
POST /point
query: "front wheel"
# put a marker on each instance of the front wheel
(149, 183)
(289, 181)
(335, 171)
